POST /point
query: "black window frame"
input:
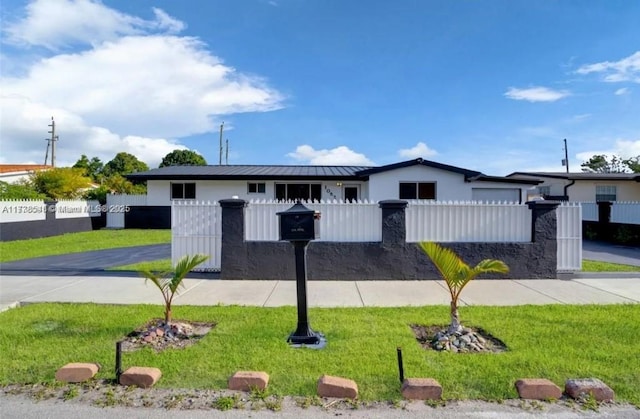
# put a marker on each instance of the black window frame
(184, 190)
(607, 197)
(417, 190)
(284, 191)
(259, 187)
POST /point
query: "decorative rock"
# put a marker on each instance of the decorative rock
(538, 389)
(248, 380)
(329, 386)
(77, 372)
(144, 377)
(577, 388)
(421, 389)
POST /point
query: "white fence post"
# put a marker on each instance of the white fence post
(569, 236)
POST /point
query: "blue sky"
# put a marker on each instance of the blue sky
(493, 86)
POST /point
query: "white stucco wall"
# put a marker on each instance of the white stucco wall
(13, 177)
(585, 191)
(449, 186)
(158, 191)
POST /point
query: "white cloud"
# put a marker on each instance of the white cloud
(419, 150)
(24, 142)
(622, 91)
(59, 23)
(338, 156)
(134, 93)
(621, 148)
(536, 94)
(161, 86)
(626, 69)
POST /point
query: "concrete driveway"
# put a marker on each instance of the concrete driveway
(606, 252)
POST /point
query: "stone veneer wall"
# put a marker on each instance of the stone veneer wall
(391, 259)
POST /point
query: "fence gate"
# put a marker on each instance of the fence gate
(569, 236)
(196, 227)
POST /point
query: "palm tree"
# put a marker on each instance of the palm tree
(458, 274)
(169, 282)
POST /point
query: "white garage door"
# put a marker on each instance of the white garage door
(495, 194)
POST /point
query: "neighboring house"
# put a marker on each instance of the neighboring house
(12, 173)
(585, 187)
(413, 179)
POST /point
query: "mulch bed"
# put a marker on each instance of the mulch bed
(158, 335)
(428, 337)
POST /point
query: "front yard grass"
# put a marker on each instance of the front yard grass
(597, 266)
(80, 242)
(555, 342)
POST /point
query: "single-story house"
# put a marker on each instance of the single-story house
(413, 179)
(12, 173)
(585, 187)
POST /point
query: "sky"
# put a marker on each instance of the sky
(493, 86)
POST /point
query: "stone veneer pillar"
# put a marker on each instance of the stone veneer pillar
(394, 227)
(234, 251)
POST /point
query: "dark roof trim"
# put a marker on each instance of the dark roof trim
(580, 176)
(418, 161)
(500, 179)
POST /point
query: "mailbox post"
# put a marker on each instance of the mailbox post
(297, 225)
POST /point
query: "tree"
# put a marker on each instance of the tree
(124, 164)
(183, 158)
(120, 185)
(93, 168)
(633, 164)
(600, 163)
(458, 274)
(60, 182)
(19, 191)
(168, 283)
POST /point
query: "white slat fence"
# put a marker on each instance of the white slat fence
(625, 212)
(470, 221)
(196, 228)
(340, 221)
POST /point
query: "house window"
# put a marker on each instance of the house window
(544, 190)
(605, 193)
(417, 190)
(295, 191)
(256, 187)
(183, 191)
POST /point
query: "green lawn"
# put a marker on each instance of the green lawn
(160, 265)
(597, 266)
(555, 342)
(80, 242)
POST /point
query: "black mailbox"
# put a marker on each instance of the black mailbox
(297, 223)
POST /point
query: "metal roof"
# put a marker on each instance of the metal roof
(245, 172)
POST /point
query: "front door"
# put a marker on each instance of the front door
(351, 193)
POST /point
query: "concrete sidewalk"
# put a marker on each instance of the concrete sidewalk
(16, 290)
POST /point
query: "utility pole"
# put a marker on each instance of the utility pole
(565, 162)
(220, 159)
(51, 142)
(226, 153)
